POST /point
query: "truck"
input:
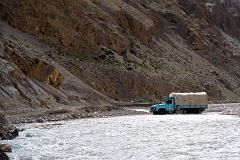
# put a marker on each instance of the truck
(185, 103)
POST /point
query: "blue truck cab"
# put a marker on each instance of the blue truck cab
(168, 107)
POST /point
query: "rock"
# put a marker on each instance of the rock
(3, 156)
(6, 130)
(14, 132)
(28, 135)
(39, 120)
(5, 148)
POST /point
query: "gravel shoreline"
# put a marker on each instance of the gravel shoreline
(63, 114)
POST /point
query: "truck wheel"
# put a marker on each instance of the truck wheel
(200, 111)
(179, 112)
(162, 111)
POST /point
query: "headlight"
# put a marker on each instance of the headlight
(153, 108)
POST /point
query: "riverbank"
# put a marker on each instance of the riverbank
(104, 111)
(75, 113)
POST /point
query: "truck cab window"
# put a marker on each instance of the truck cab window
(169, 102)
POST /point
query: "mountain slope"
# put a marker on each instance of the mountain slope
(136, 49)
(30, 80)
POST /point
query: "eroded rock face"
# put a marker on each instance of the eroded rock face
(225, 14)
(36, 68)
(18, 73)
(32, 82)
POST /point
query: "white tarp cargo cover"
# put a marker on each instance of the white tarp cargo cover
(198, 98)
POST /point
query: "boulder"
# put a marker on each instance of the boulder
(3, 156)
(6, 130)
(5, 148)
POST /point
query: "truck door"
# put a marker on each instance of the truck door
(170, 105)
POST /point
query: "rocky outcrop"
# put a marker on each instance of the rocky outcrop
(36, 68)
(6, 131)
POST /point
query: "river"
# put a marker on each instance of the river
(180, 137)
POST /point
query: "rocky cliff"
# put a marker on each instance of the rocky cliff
(76, 52)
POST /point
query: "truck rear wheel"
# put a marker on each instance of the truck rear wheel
(200, 111)
(182, 111)
(195, 111)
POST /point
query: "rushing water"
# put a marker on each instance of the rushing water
(132, 137)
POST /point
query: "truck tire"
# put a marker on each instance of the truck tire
(195, 111)
(162, 111)
(192, 111)
(185, 111)
(200, 111)
(182, 111)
